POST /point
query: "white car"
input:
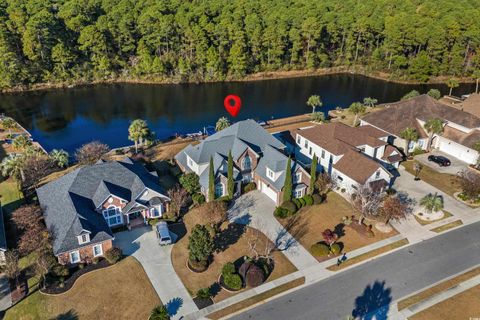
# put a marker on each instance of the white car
(163, 234)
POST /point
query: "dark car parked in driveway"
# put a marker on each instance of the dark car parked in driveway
(440, 160)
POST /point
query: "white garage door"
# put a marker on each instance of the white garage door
(269, 192)
(458, 151)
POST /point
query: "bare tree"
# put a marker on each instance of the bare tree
(27, 217)
(394, 208)
(417, 167)
(470, 183)
(324, 183)
(259, 244)
(34, 233)
(91, 152)
(366, 201)
(35, 168)
(178, 199)
(215, 213)
(12, 267)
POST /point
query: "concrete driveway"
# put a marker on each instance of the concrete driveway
(455, 167)
(155, 259)
(255, 209)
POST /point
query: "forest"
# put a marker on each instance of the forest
(69, 41)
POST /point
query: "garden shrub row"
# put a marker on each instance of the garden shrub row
(289, 208)
(322, 250)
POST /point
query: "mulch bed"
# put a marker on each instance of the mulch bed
(196, 270)
(202, 303)
(361, 229)
(19, 293)
(75, 273)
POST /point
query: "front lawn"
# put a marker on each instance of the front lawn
(10, 196)
(315, 219)
(234, 244)
(445, 182)
(122, 291)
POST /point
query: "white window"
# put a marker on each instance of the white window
(420, 143)
(299, 140)
(270, 174)
(113, 216)
(298, 193)
(410, 145)
(155, 212)
(323, 154)
(298, 177)
(306, 143)
(97, 250)
(219, 190)
(84, 238)
(340, 178)
(74, 256)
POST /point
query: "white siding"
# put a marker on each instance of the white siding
(458, 151)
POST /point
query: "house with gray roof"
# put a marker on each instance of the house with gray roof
(83, 207)
(257, 156)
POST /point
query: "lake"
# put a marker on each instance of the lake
(68, 118)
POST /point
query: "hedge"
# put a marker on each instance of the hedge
(308, 200)
(319, 250)
(335, 248)
(198, 198)
(249, 187)
(290, 206)
(317, 199)
(281, 212)
(113, 255)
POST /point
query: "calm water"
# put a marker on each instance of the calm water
(68, 118)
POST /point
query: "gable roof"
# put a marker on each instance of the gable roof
(339, 138)
(357, 166)
(465, 139)
(277, 162)
(69, 202)
(470, 105)
(398, 116)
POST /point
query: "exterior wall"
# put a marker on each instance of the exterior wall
(86, 252)
(117, 202)
(323, 161)
(349, 184)
(252, 155)
(456, 150)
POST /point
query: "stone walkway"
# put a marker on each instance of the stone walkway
(256, 210)
(156, 261)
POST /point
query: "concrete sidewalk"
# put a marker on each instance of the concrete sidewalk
(256, 210)
(5, 297)
(155, 259)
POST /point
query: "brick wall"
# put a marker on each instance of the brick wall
(86, 252)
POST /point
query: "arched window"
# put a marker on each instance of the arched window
(112, 215)
(247, 163)
(219, 190)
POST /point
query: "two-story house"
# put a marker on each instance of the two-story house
(82, 207)
(352, 156)
(257, 157)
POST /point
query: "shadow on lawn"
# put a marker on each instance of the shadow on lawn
(373, 303)
(225, 238)
(69, 315)
(295, 228)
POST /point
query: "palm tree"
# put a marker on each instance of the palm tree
(409, 134)
(9, 124)
(60, 157)
(452, 83)
(138, 131)
(476, 76)
(356, 108)
(21, 142)
(314, 101)
(12, 166)
(370, 102)
(432, 203)
(222, 123)
(433, 126)
(159, 313)
(317, 117)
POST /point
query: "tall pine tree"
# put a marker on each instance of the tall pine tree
(211, 182)
(313, 173)
(230, 175)
(287, 185)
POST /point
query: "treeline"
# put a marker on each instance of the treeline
(203, 40)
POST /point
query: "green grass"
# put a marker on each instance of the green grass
(32, 307)
(10, 197)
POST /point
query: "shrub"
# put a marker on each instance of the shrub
(290, 206)
(347, 220)
(113, 255)
(317, 199)
(342, 190)
(308, 200)
(153, 222)
(417, 151)
(96, 260)
(233, 281)
(198, 265)
(60, 270)
(225, 199)
(319, 250)
(198, 198)
(391, 191)
(335, 248)
(81, 266)
(281, 213)
(249, 187)
(297, 203)
(159, 313)
(204, 293)
(119, 151)
(190, 182)
(255, 276)
(302, 202)
(228, 268)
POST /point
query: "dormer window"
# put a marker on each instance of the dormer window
(84, 238)
(270, 173)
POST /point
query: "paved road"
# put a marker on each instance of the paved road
(370, 286)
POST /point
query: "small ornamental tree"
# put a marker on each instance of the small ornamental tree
(432, 203)
(288, 184)
(200, 244)
(324, 183)
(35, 168)
(211, 181)
(9, 124)
(113, 255)
(434, 93)
(313, 174)
(393, 208)
(59, 157)
(190, 182)
(314, 101)
(329, 237)
(179, 199)
(230, 185)
(366, 201)
(215, 213)
(451, 83)
(29, 221)
(91, 152)
(417, 168)
(470, 184)
(370, 102)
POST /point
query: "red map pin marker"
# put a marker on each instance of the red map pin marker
(232, 104)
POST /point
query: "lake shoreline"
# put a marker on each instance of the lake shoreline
(260, 76)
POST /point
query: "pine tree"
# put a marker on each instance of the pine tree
(230, 175)
(287, 185)
(211, 182)
(313, 174)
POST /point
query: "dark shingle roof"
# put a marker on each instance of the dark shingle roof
(69, 202)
